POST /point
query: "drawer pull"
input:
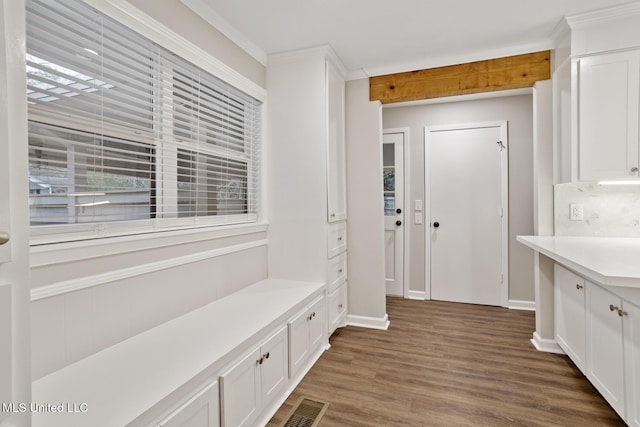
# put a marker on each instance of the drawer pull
(578, 286)
(259, 361)
(340, 239)
(340, 270)
(340, 306)
(266, 356)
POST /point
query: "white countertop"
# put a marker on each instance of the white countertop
(122, 382)
(611, 261)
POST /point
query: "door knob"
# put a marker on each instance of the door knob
(398, 222)
(398, 211)
(436, 224)
(4, 237)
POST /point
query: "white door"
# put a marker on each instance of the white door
(15, 381)
(465, 178)
(393, 179)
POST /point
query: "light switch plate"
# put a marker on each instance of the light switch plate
(418, 206)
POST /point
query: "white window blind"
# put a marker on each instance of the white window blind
(121, 129)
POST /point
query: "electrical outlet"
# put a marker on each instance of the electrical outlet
(576, 212)
(418, 219)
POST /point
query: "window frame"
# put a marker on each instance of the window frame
(138, 21)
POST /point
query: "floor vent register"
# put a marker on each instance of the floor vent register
(307, 413)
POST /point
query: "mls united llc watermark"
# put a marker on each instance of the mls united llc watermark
(33, 407)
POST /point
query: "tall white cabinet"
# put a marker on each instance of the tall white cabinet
(305, 164)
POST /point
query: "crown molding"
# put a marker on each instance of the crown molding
(603, 15)
(561, 31)
(323, 51)
(206, 12)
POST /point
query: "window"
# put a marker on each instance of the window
(121, 129)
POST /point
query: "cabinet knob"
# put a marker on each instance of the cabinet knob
(621, 313)
(398, 222)
(259, 361)
(340, 306)
(333, 215)
(634, 170)
(579, 286)
(266, 356)
(612, 307)
(339, 270)
(340, 239)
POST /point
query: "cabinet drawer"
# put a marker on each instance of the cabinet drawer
(336, 239)
(337, 307)
(336, 271)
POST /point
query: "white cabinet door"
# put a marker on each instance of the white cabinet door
(274, 366)
(240, 388)
(608, 95)
(336, 181)
(605, 359)
(202, 410)
(632, 362)
(317, 324)
(298, 342)
(253, 382)
(306, 332)
(570, 315)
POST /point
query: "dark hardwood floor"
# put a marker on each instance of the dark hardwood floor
(447, 364)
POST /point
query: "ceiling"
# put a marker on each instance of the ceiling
(374, 37)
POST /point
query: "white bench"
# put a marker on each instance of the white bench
(172, 370)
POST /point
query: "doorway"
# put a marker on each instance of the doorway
(393, 187)
(466, 181)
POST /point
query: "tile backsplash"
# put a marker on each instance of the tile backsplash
(609, 210)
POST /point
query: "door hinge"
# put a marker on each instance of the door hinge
(501, 212)
(502, 278)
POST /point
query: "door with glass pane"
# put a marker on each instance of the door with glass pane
(393, 184)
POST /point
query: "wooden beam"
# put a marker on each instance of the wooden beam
(512, 72)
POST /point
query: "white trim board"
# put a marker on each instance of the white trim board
(125, 273)
(417, 295)
(546, 345)
(522, 305)
(381, 323)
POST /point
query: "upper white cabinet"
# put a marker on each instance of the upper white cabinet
(608, 102)
(336, 188)
(570, 315)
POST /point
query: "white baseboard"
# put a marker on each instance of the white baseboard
(419, 295)
(546, 345)
(522, 305)
(381, 323)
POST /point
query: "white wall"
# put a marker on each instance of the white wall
(90, 295)
(365, 205)
(182, 20)
(518, 111)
